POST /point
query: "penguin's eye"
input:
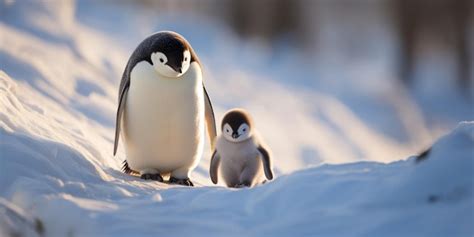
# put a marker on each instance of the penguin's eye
(185, 59)
(162, 60)
(227, 130)
(244, 130)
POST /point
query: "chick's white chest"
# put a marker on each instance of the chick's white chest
(237, 155)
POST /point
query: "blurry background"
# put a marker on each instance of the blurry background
(326, 81)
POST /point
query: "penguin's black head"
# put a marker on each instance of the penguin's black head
(171, 54)
(237, 125)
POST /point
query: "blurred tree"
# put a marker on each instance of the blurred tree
(444, 22)
(266, 19)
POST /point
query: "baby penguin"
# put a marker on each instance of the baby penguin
(240, 155)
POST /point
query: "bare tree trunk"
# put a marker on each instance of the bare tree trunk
(461, 22)
(448, 24)
(406, 15)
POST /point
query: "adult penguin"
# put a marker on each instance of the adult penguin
(162, 111)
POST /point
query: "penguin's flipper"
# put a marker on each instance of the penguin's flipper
(267, 162)
(213, 170)
(118, 121)
(210, 119)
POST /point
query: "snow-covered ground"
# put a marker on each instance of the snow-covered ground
(60, 64)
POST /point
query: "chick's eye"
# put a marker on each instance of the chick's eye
(244, 130)
(185, 59)
(227, 130)
(161, 60)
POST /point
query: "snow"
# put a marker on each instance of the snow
(339, 154)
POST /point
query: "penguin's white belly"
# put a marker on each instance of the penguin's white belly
(164, 119)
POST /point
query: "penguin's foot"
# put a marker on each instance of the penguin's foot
(156, 177)
(185, 182)
(242, 185)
